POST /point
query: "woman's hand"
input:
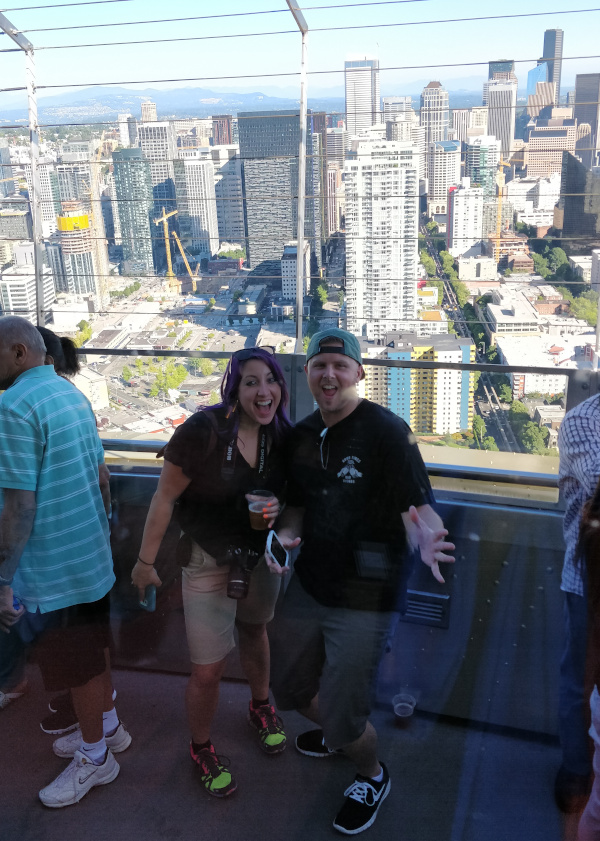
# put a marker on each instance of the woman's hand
(142, 575)
(272, 508)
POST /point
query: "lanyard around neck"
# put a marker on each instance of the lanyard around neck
(231, 454)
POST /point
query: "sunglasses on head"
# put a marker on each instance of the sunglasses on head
(250, 352)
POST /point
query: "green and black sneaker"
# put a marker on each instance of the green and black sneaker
(269, 726)
(217, 780)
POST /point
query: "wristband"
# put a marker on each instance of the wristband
(145, 562)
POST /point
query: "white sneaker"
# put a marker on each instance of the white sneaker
(67, 745)
(77, 779)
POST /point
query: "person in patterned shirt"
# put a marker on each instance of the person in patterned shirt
(579, 472)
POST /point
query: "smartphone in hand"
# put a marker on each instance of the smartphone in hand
(277, 550)
(149, 601)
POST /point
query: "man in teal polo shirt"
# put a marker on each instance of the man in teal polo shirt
(54, 549)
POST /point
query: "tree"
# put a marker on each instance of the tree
(432, 227)
(490, 444)
(479, 430)
(214, 398)
(461, 292)
(221, 365)
(447, 261)
(505, 393)
(533, 438)
(427, 263)
(139, 364)
(206, 367)
(126, 374)
(557, 258)
(540, 264)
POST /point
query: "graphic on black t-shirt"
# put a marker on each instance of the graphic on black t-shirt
(354, 481)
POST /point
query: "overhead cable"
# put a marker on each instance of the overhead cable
(292, 73)
(207, 17)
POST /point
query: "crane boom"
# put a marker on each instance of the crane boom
(170, 273)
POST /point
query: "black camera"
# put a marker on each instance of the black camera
(242, 563)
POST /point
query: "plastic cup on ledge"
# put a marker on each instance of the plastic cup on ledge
(404, 707)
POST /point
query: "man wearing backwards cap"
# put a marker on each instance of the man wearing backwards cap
(358, 494)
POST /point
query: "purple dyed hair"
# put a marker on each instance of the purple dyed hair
(231, 383)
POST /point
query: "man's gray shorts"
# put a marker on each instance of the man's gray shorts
(332, 651)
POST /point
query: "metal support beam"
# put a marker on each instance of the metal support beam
(303, 27)
(35, 199)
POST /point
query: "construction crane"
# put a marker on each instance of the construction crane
(170, 273)
(185, 259)
(500, 181)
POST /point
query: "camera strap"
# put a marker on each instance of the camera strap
(231, 453)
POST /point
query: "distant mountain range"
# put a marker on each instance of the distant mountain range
(98, 104)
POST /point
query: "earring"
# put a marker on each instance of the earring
(231, 411)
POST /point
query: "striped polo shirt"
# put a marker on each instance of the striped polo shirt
(49, 444)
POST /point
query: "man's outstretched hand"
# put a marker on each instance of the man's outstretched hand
(431, 543)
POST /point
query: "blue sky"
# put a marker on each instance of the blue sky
(396, 46)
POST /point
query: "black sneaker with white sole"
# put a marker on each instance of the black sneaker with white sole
(312, 743)
(363, 799)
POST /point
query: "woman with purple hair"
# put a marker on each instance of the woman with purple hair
(211, 465)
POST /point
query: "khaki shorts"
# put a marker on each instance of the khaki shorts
(209, 612)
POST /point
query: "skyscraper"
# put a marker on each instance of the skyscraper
(123, 125)
(538, 74)
(159, 145)
(18, 292)
(382, 217)
(502, 111)
(435, 112)
(438, 401)
(196, 201)
(7, 188)
(465, 218)
(502, 68)
(221, 130)
(337, 140)
(394, 105)
(481, 163)
(363, 108)
(269, 144)
(443, 168)
(587, 107)
(50, 199)
(460, 123)
(149, 113)
(133, 192)
(70, 253)
(553, 50)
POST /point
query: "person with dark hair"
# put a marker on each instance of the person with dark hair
(61, 352)
(588, 560)
(212, 464)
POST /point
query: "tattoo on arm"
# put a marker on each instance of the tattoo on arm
(16, 523)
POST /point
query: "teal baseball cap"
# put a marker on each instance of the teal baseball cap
(320, 343)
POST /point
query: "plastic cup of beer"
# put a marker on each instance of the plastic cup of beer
(256, 509)
(404, 706)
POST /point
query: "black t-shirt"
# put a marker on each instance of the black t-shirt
(213, 509)
(354, 483)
